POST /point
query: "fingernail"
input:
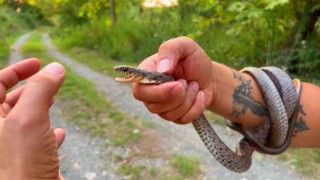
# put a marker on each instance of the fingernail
(163, 65)
(54, 68)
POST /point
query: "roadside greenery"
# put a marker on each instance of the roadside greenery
(237, 33)
(8, 29)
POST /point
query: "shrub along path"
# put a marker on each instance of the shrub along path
(84, 157)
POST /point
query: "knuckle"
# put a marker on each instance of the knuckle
(25, 123)
(43, 81)
(186, 39)
(136, 93)
(166, 45)
(153, 108)
(184, 120)
(169, 116)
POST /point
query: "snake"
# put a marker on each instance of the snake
(272, 137)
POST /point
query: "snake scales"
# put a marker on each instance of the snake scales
(272, 137)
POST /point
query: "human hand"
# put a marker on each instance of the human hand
(28, 143)
(181, 101)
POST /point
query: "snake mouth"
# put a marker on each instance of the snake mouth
(129, 76)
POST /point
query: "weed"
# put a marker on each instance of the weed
(133, 171)
(186, 166)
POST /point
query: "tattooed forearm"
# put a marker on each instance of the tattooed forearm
(243, 100)
(301, 123)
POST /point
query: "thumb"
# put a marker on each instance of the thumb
(173, 51)
(37, 95)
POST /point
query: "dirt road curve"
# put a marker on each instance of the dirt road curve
(86, 158)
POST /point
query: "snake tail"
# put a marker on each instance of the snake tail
(239, 161)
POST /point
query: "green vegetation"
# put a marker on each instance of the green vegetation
(92, 58)
(8, 30)
(180, 168)
(305, 160)
(251, 33)
(14, 24)
(133, 171)
(186, 166)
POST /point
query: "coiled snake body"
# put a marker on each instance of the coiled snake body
(272, 137)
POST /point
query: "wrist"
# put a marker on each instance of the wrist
(236, 95)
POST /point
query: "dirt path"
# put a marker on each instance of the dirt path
(87, 158)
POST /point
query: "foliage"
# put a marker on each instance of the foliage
(10, 25)
(238, 33)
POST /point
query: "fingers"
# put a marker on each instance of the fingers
(149, 63)
(195, 111)
(181, 108)
(60, 136)
(13, 96)
(175, 113)
(174, 50)
(159, 93)
(11, 75)
(37, 95)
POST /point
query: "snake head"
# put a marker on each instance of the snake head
(135, 75)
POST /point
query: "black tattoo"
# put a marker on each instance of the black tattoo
(301, 123)
(243, 100)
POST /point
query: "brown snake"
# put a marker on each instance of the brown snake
(272, 137)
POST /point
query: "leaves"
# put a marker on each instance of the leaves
(237, 32)
(271, 4)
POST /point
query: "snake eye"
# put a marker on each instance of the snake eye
(125, 69)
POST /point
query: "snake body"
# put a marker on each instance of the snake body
(272, 137)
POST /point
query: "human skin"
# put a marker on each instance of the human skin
(205, 84)
(28, 143)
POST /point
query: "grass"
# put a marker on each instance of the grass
(93, 59)
(304, 160)
(5, 48)
(186, 166)
(180, 168)
(134, 172)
